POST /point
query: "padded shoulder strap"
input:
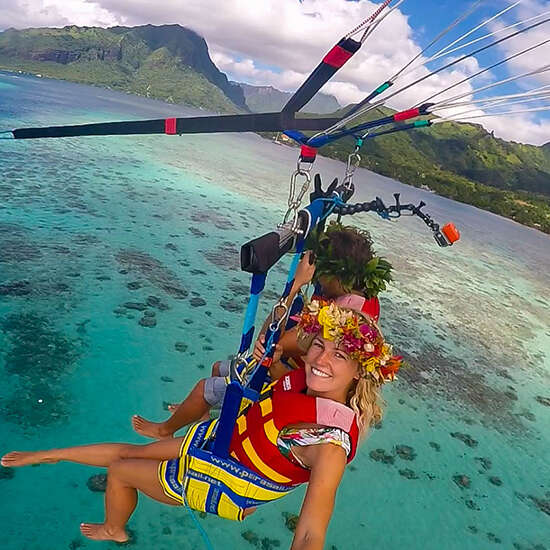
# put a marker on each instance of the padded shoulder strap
(334, 414)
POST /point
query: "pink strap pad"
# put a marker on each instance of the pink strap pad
(334, 414)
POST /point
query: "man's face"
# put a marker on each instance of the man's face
(331, 287)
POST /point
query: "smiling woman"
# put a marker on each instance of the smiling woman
(304, 429)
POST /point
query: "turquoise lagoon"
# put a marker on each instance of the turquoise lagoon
(90, 224)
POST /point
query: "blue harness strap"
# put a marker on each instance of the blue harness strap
(256, 287)
(235, 390)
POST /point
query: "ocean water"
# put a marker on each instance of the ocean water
(88, 225)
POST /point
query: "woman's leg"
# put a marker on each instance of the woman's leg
(101, 454)
(193, 409)
(125, 478)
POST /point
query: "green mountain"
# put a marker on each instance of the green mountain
(266, 99)
(168, 62)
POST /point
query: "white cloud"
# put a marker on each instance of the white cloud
(53, 13)
(536, 58)
(274, 42)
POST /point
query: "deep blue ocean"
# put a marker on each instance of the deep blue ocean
(88, 225)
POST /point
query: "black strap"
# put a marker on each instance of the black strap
(319, 77)
(262, 122)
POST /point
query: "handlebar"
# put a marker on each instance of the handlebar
(444, 236)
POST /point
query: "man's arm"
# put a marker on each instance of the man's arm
(304, 274)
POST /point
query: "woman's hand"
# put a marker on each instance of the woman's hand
(259, 350)
(304, 271)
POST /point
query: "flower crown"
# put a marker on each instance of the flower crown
(357, 334)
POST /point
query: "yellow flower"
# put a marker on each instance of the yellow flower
(326, 320)
(370, 365)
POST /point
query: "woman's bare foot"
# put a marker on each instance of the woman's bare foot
(156, 430)
(98, 531)
(18, 458)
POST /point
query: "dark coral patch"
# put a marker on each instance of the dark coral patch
(465, 438)
(226, 256)
(195, 231)
(152, 270)
(405, 452)
(211, 217)
(486, 463)
(135, 306)
(493, 538)
(97, 483)
(6, 473)
(134, 285)
(155, 301)
(232, 305)
(16, 288)
(463, 481)
(147, 321)
(291, 520)
(380, 455)
(408, 473)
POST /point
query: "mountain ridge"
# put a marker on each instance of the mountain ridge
(269, 99)
(128, 59)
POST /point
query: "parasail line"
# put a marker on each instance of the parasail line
(372, 28)
(456, 22)
(491, 104)
(369, 20)
(535, 72)
(534, 91)
(380, 102)
(489, 35)
(506, 113)
(471, 77)
(481, 25)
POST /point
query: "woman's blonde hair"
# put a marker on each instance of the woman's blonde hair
(367, 404)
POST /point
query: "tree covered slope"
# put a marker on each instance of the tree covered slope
(168, 62)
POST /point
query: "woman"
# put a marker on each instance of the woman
(304, 428)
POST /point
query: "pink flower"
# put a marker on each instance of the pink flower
(368, 331)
